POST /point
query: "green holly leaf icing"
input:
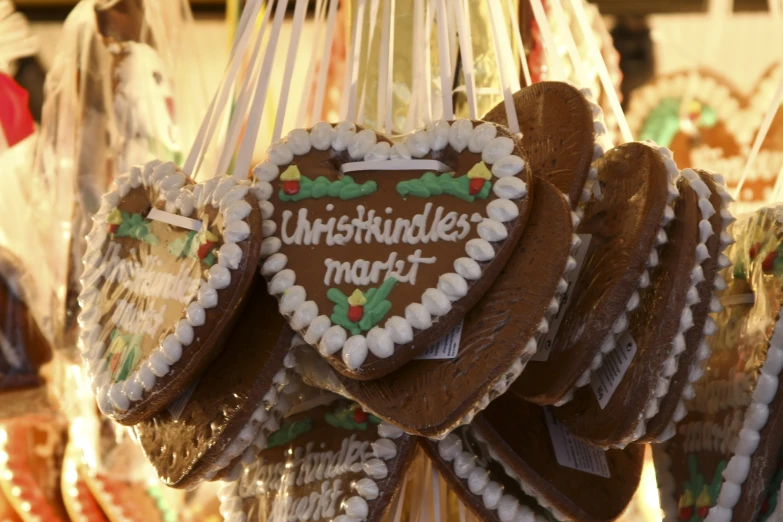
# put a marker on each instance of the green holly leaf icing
(344, 188)
(343, 417)
(431, 184)
(135, 226)
(289, 432)
(375, 310)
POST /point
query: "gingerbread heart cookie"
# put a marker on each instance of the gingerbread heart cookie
(513, 464)
(329, 460)
(217, 420)
(377, 250)
(79, 502)
(495, 341)
(722, 462)
(625, 230)
(562, 134)
(122, 501)
(167, 268)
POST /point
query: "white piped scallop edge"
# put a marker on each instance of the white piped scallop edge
(621, 323)
(666, 485)
(477, 481)
(602, 142)
(170, 184)
(397, 330)
(696, 370)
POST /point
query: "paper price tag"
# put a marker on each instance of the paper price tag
(574, 453)
(446, 348)
(606, 379)
(546, 342)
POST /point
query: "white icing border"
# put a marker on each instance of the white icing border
(303, 315)
(225, 193)
(621, 323)
(602, 142)
(666, 487)
(479, 484)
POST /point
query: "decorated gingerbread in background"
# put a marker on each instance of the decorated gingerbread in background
(376, 250)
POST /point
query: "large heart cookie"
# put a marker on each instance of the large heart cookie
(167, 268)
(376, 250)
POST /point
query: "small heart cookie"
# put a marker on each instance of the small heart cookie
(376, 250)
(167, 267)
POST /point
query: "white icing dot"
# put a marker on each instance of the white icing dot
(399, 330)
(269, 246)
(384, 449)
(376, 469)
(362, 143)
(222, 188)
(507, 508)
(453, 285)
(321, 135)
(219, 277)
(507, 166)
(380, 343)
(388, 431)
(459, 134)
(400, 151)
(481, 136)
(497, 148)
(132, 387)
(418, 144)
(239, 193)
(237, 211)
(367, 488)
(274, 264)
(492, 230)
(236, 231)
(492, 494)
(230, 255)
(332, 340)
(195, 314)
(299, 141)
(146, 377)
(316, 330)
(479, 250)
(267, 209)
(389, 210)
(207, 296)
(356, 507)
(436, 302)
(355, 351)
(185, 203)
(172, 349)
(449, 447)
(343, 136)
(438, 134)
(282, 281)
(184, 332)
(509, 188)
(292, 299)
(418, 316)
(464, 464)
(104, 402)
(158, 363)
(477, 480)
(329, 207)
(467, 268)
(268, 227)
(304, 315)
(119, 399)
(280, 154)
(380, 151)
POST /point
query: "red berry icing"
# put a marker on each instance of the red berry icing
(769, 261)
(113, 228)
(291, 187)
(476, 185)
(203, 250)
(355, 313)
(754, 250)
(704, 511)
(359, 416)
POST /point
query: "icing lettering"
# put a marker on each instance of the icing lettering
(714, 395)
(363, 272)
(712, 436)
(131, 319)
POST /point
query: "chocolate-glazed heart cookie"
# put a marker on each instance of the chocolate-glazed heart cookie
(689, 366)
(722, 461)
(562, 131)
(497, 338)
(376, 251)
(329, 461)
(237, 396)
(167, 268)
(506, 467)
(625, 230)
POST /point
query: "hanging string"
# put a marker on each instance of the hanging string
(385, 69)
(553, 56)
(573, 51)
(603, 72)
(348, 113)
(466, 51)
(519, 43)
(370, 37)
(444, 59)
(300, 10)
(320, 90)
(496, 20)
(318, 22)
(429, 17)
(417, 78)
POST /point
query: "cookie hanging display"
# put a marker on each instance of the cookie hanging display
(168, 266)
(204, 432)
(376, 251)
(722, 463)
(495, 341)
(625, 229)
(330, 460)
(516, 463)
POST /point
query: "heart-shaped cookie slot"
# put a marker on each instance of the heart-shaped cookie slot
(377, 250)
(330, 460)
(562, 134)
(513, 460)
(167, 268)
(496, 340)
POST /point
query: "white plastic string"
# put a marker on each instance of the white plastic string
(466, 51)
(214, 113)
(246, 95)
(553, 56)
(444, 59)
(300, 10)
(429, 17)
(496, 20)
(461, 507)
(385, 69)
(320, 90)
(520, 45)
(573, 51)
(774, 8)
(417, 68)
(318, 22)
(246, 149)
(348, 108)
(370, 36)
(603, 72)
(763, 130)
(435, 489)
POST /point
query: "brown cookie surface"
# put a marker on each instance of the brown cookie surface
(168, 266)
(623, 227)
(187, 443)
(429, 397)
(375, 257)
(558, 133)
(664, 300)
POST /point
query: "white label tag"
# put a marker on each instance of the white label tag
(176, 408)
(574, 453)
(545, 344)
(174, 219)
(606, 379)
(394, 164)
(446, 348)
